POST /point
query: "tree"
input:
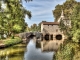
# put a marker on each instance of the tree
(67, 7)
(39, 27)
(34, 27)
(75, 19)
(70, 48)
(57, 11)
(13, 16)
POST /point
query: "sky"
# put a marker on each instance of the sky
(41, 10)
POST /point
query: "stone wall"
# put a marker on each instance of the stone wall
(50, 29)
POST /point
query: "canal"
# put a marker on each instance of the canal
(25, 52)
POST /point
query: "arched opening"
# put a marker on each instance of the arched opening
(46, 37)
(31, 36)
(51, 37)
(59, 37)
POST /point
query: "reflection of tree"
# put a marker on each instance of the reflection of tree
(17, 51)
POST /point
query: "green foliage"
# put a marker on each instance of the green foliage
(39, 27)
(13, 13)
(57, 11)
(67, 51)
(12, 41)
(76, 36)
(77, 56)
(36, 27)
(75, 19)
(72, 9)
(67, 7)
(70, 50)
(17, 28)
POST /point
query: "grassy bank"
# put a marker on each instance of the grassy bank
(9, 42)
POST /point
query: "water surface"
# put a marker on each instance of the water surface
(36, 54)
(25, 52)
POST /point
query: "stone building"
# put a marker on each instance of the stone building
(52, 35)
(51, 30)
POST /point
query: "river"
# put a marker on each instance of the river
(25, 52)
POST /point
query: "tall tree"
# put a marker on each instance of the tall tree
(75, 19)
(67, 7)
(12, 16)
(70, 50)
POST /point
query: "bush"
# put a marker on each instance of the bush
(67, 52)
(76, 36)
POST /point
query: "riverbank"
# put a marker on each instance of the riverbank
(9, 42)
(68, 51)
(13, 50)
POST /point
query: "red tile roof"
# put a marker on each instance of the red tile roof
(50, 23)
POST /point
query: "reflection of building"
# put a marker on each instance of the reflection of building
(52, 33)
(38, 44)
(52, 36)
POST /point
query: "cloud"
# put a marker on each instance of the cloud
(78, 0)
(41, 10)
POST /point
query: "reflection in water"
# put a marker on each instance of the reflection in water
(13, 53)
(15, 57)
(36, 54)
(38, 44)
(51, 45)
(23, 52)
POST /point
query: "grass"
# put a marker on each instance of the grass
(10, 41)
